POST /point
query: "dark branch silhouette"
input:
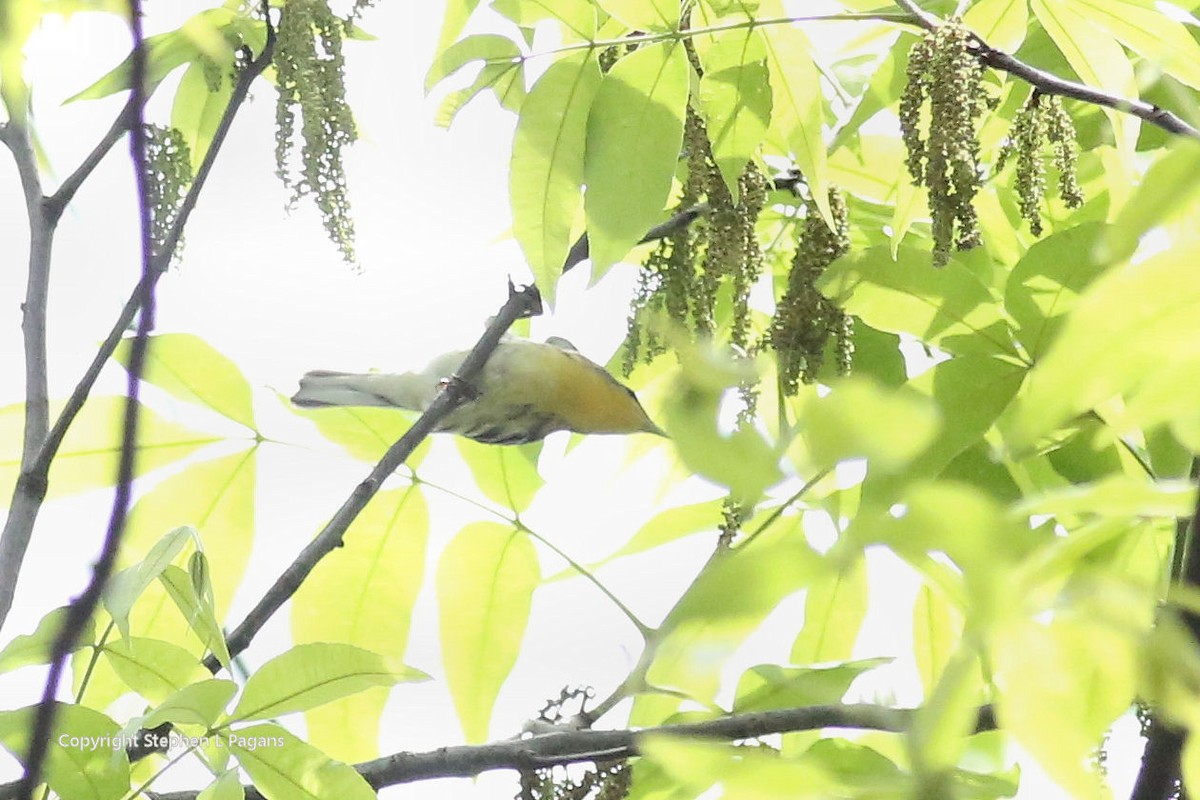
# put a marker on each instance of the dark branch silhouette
(82, 607)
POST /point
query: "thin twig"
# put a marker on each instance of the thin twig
(521, 303)
(57, 202)
(1048, 83)
(82, 608)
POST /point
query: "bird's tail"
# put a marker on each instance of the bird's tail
(323, 388)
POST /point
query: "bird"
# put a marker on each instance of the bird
(526, 391)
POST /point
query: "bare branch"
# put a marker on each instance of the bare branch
(1048, 83)
(66, 191)
(571, 746)
(521, 303)
(29, 491)
(82, 608)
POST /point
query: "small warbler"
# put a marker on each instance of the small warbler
(525, 391)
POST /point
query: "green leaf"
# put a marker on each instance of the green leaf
(748, 581)
(18, 20)
(644, 15)
(768, 686)
(1098, 60)
(280, 765)
(663, 528)
(947, 307)
(969, 393)
(91, 448)
(36, 647)
(547, 166)
(1146, 30)
(196, 113)
(166, 52)
(81, 762)
(363, 594)
(312, 674)
(217, 498)
(1131, 324)
(488, 47)
(124, 589)
(941, 726)
(365, 433)
(188, 368)
(858, 418)
(227, 786)
(1166, 190)
(199, 615)
(507, 475)
(1061, 686)
(799, 111)
(1116, 496)
(485, 584)
(743, 459)
(1046, 283)
(735, 101)
(196, 704)
(835, 606)
(577, 18)
(1001, 23)
(750, 773)
(154, 669)
(634, 134)
(507, 82)
(937, 628)
(457, 14)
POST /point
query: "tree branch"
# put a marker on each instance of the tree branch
(29, 491)
(577, 746)
(521, 303)
(56, 203)
(1161, 770)
(82, 608)
(1048, 83)
(31, 487)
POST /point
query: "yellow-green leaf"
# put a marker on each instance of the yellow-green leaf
(634, 134)
(947, 307)
(153, 668)
(1099, 60)
(835, 605)
(35, 648)
(81, 763)
(485, 584)
(1129, 325)
(644, 15)
(507, 475)
(363, 594)
(187, 367)
(312, 674)
(546, 171)
(282, 766)
(90, 450)
(199, 703)
(735, 101)
(798, 108)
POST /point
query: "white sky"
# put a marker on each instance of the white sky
(267, 290)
